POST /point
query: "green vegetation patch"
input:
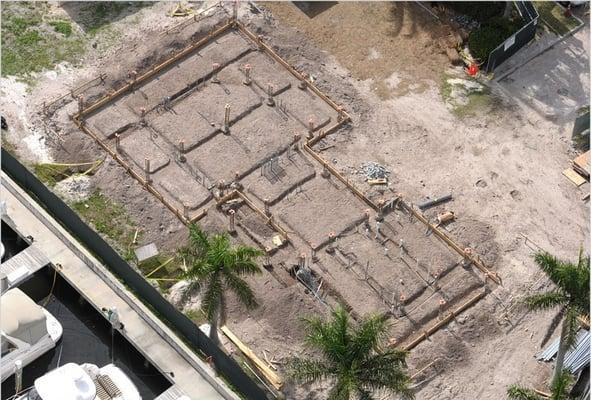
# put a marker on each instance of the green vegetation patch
(30, 44)
(490, 35)
(197, 316)
(50, 174)
(466, 97)
(553, 16)
(63, 27)
(165, 269)
(109, 219)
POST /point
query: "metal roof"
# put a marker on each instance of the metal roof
(576, 358)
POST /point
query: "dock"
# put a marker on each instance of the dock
(190, 376)
(23, 265)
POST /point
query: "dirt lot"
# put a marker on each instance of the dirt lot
(501, 160)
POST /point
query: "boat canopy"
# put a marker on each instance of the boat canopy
(21, 318)
(68, 382)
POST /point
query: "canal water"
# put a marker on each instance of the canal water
(87, 337)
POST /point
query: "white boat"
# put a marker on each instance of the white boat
(27, 331)
(82, 382)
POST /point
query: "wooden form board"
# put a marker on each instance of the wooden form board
(267, 372)
(581, 164)
(575, 178)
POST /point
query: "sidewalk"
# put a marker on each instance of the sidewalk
(99, 287)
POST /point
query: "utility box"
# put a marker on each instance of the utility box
(146, 252)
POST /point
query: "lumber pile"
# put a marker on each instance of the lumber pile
(269, 375)
(579, 173)
(581, 165)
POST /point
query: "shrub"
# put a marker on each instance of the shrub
(491, 34)
(478, 10)
(62, 27)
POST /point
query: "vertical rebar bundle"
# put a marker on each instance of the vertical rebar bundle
(325, 172)
(270, 100)
(147, 170)
(182, 157)
(142, 115)
(303, 83)
(231, 227)
(247, 81)
(214, 76)
(302, 261)
(227, 119)
(313, 256)
(80, 103)
(266, 203)
(331, 242)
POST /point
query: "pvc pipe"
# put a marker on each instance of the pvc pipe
(434, 202)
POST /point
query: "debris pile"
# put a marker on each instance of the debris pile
(373, 170)
(465, 22)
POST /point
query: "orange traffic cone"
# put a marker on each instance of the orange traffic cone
(472, 69)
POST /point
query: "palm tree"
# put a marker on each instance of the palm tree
(215, 266)
(352, 358)
(571, 294)
(559, 390)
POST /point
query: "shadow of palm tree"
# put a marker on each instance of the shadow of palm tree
(314, 8)
(91, 15)
(560, 84)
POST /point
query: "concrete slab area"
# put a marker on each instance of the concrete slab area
(184, 123)
(265, 71)
(433, 255)
(83, 271)
(304, 105)
(382, 263)
(139, 145)
(275, 179)
(210, 99)
(182, 187)
(112, 119)
(189, 71)
(252, 140)
(322, 206)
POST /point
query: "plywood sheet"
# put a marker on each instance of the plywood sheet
(575, 178)
(582, 162)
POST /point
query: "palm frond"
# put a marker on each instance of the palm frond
(244, 262)
(583, 262)
(571, 327)
(341, 390)
(386, 370)
(365, 395)
(212, 297)
(197, 271)
(550, 265)
(561, 387)
(516, 392)
(545, 301)
(330, 337)
(241, 289)
(369, 333)
(307, 371)
(219, 253)
(198, 239)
